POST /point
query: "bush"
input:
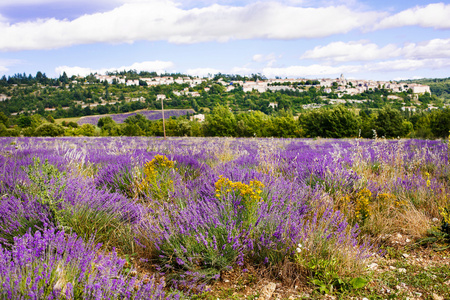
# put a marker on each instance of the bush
(49, 129)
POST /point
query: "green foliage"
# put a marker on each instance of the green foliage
(251, 124)
(285, 126)
(104, 121)
(4, 119)
(221, 122)
(24, 121)
(3, 130)
(391, 124)
(45, 183)
(102, 226)
(87, 130)
(182, 253)
(440, 122)
(334, 123)
(50, 119)
(49, 129)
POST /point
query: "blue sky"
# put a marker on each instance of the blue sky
(379, 40)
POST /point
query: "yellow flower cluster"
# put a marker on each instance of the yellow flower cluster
(252, 190)
(444, 212)
(362, 208)
(160, 163)
(428, 179)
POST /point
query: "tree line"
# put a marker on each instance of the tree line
(337, 122)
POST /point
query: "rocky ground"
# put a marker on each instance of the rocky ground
(406, 270)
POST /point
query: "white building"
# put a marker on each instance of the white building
(132, 82)
(3, 97)
(198, 117)
(409, 108)
(420, 89)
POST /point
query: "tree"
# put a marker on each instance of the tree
(50, 119)
(284, 126)
(221, 122)
(87, 130)
(332, 123)
(440, 123)
(105, 120)
(4, 119)
(49, 129)
(63, 78)
(24, 121)
(252, 124)
(391, 124)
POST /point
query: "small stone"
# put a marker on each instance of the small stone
(405, 255)
(437, 297)
(267, 291)
(226, 280)
(364, 298)
(435, 220)
(306, 295)
(408, 240)
(402, 270)
(399, 236)
(392, 268)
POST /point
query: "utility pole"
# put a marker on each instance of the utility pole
(164, 122)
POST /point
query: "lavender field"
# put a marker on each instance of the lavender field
(147, 218)
(149, 114)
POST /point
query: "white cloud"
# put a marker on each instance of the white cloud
(202, 72)
(6, 3)
(387, 66)
(6, 63)
(311, 70)
(407, 65)
(165, 20)
(434, 15)
(269, 59)
(242, 71)
(351, 51)
(150, 66)
(365, 51)
(437, 48)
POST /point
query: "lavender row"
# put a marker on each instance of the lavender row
(149, 114)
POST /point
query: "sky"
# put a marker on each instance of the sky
(362, 39)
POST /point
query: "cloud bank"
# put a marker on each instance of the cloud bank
(162, 20)
(366, 51)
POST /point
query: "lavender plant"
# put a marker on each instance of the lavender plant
(53, 265)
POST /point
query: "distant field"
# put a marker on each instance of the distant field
(59, 121)
(120, 118)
